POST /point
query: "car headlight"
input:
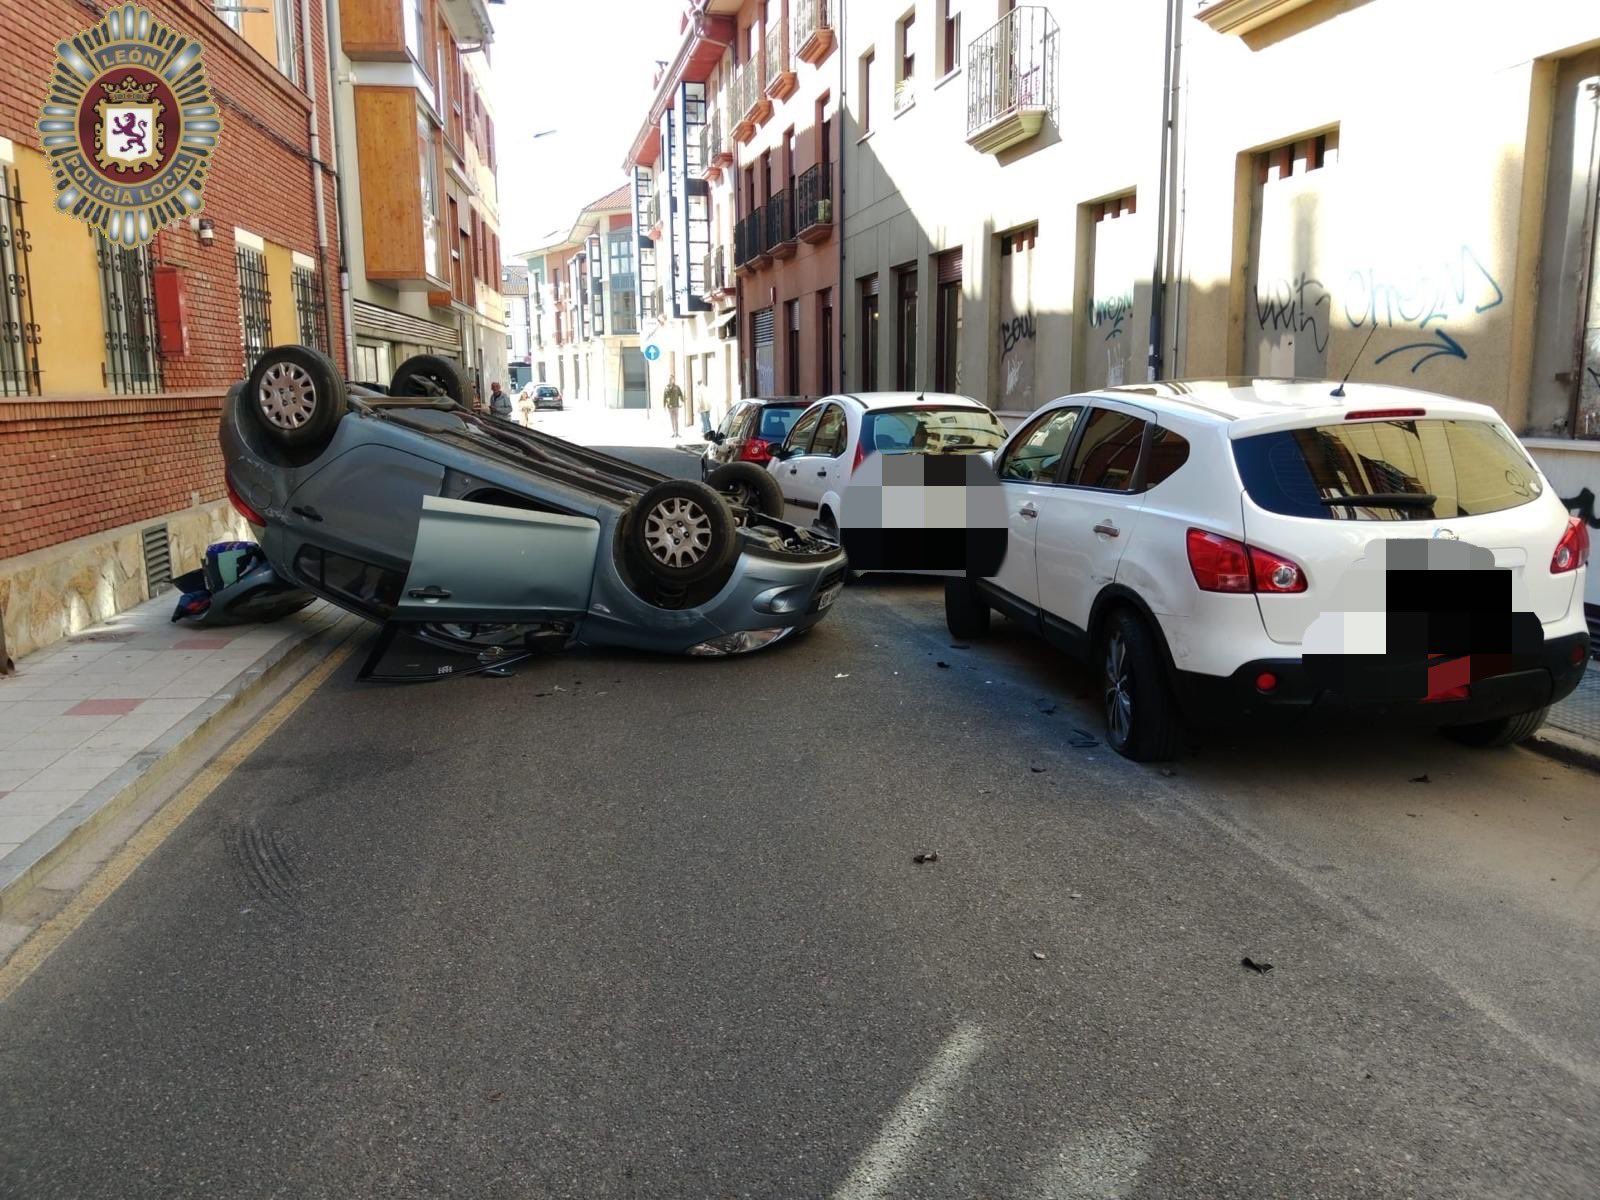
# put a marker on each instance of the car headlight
(738, 643)
(782, 599)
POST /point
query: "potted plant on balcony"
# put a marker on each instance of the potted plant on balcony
(825, 211)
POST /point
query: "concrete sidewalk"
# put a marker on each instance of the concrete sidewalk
(85, 723)
(1573, 730)
(619, 427)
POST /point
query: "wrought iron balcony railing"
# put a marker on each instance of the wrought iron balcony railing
(813, 28)
(777, 53)
(813, 198)
(1013, 71)
(749, 238)
(779, 219)
(710, 138)
(652, 210)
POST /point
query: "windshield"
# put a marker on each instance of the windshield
(931, 430)
(1418, 470)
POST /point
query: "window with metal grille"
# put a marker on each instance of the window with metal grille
(255, 304)
(19, 333)
(310, 308)
(128, 305)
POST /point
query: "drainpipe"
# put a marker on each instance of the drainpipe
(328, 41)
(1157, 282)
(838, 222)
(316, 154)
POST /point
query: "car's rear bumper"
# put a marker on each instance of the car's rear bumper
(1543, 679)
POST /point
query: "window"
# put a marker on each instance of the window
(1036, 455)
(864, 91)
(869, 333)
(19, 334)
(310, 308)
(128, 306)
(428, 150)
(416, 16)
(927, 429)
(231, 12)
(904, 84)
(825, 340)
(1426, 470)
(800, 436)
(255, 303)
(832, 430)
(947, 322)
(791, 349)
(950, 32)
(1108, 452)
(905, 333)
(1168, 452)
(1298, 158)
(288, 43)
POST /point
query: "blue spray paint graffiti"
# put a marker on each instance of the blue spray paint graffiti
(1443, 345)
(1460, 285)
(1114, 311)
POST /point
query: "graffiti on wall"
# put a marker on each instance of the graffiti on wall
(1582, 505)
(1456, 286)
(1014, 332)
(1111, 312)
(1297, 305)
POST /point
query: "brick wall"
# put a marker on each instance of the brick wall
(74, 466)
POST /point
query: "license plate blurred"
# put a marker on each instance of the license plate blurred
(827, 596)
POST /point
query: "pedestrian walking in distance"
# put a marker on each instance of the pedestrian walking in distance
(499, 402)
(672, 399)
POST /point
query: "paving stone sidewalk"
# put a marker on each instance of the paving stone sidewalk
(82, 720)
(1579, 713)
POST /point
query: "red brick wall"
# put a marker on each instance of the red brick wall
(100, 463)
(73, 467)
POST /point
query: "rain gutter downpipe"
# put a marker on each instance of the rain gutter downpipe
(838, 223)
(1168, 131)
(345, 307)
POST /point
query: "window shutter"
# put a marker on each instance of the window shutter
(949, 266)
(869, 286)
(763, 327)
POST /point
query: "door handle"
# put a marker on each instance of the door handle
(429, 593)
(822, 474)
(794, 470)
(307, 512)
(1028, 510)
(1107, 528)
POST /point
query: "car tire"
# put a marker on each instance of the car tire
(1504, 731)
(430, 375)
(965, 613)
(829, 526)
(748, 486)
(296, 396)
(680, 532)
(1142, 721)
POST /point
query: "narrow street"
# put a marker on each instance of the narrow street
(624, 925)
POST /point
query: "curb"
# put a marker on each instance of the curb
(39, 855)
(1566, 747)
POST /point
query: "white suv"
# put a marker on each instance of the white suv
(1184, 536)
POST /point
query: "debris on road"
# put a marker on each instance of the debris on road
(1082, 739)
(1411, 814)
(1039, 954)
(1074, 895)
(1258, 968)
(496, 1097)
(943, 665)
(1045, 706)
(1423, 778)
(845, 675)
(929, 856)
(1037, 770)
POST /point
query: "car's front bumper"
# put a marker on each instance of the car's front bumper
(1543, 678)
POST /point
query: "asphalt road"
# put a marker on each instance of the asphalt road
(636, 927)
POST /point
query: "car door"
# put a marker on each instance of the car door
(825, 470)
(488, 562)
(364, 504)
(1028, 468)
(1086, 523)
(786, 470)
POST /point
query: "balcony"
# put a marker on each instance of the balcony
(749, 242)
(1012, 79)
(750, 105)
(712, 159)
(814, 37)
(658, 302)
(652, 215)
(717, 281)
(780, 224)
(813, 204)
(781, 82)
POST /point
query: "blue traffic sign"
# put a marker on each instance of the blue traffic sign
(651, 353)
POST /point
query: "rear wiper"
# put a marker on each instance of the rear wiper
(1386, 499)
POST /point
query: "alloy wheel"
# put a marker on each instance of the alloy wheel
(677, 532)
(1118, 689)
(287, 395)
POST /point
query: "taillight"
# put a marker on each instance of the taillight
(243, 509)
(861, 457)
(756, 450)
(1384, 414)
(1572, 551)
(1224, 564)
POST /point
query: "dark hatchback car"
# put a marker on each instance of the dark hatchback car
(547, 398)
(750, 432)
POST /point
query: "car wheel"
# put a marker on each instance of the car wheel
(965, 613)
(1141, 717)
(1505, 731)
(429, 375)
(748, 486)
(681, 532)
(297, 396)
(830, 527)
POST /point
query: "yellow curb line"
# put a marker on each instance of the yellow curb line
(30, 956)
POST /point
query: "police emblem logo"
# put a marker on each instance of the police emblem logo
(130, 126)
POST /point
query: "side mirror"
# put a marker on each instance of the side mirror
(780, 453)
(715, 438)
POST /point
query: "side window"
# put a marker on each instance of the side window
(830, 432)
(1108, 452)
(1168, 452)
(730, 423)
(1037, 453)
(800, 436)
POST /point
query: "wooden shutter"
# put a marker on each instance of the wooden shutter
(949, 266)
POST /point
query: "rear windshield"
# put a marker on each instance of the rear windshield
(931, 430)
(547, 391)
(1418, 470)
(775, 422)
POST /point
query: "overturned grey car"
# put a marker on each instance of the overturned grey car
(473, 535)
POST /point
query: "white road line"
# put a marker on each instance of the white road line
(1096, 1165)
(886, 1159)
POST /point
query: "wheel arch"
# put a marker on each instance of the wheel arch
(1117, 596)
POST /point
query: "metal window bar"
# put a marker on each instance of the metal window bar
(777, 50)
(127, 296)
(780, 218)
(1013, 65)
(255, 304)
(310, 308)
(19, 332)
(814, 197)
(807, 17)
